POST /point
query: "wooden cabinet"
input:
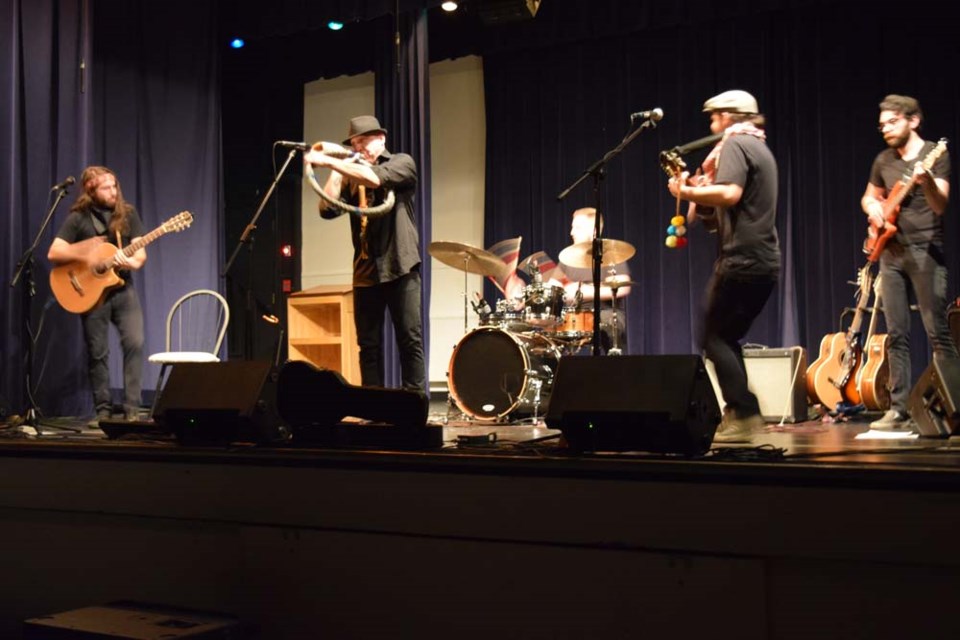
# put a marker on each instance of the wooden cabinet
(320, 329)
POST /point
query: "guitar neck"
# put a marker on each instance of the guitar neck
(144, 240)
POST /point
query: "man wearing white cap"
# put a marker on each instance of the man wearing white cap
(386, 258)
(738, 187)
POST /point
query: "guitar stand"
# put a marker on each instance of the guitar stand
(847, 410)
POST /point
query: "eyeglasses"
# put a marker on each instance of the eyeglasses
(892, 122)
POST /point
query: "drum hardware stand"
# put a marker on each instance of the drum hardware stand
(25, 268)
(598, 171)
(615, 346)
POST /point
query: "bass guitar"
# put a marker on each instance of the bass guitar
(875, 373)
(80, 286)
(877, 237)
(832, 376)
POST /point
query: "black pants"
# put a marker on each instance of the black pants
(122, 308)
(920, 268)
(402, 298)
(733, 302)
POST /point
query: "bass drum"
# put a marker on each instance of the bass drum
(495, 373)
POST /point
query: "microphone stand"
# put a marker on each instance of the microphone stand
(598, 172)
(25, 269)
(247, 238)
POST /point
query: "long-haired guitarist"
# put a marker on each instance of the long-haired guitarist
(100, 214)
(909, 188)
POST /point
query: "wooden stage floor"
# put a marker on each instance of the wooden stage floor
(814, 442)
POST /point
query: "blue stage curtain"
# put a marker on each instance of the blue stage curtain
(402, 104)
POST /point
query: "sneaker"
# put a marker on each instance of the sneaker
(102, 414)
(892, 420)
(735, 429)
(131, 414)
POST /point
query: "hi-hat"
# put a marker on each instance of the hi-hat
(468, 258)
(617, 281)
(581, 254)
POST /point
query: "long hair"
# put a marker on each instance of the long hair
(89, 179)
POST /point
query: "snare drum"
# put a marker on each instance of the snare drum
(542, 304)
(576, 325)
(507, 317)
(495, 373)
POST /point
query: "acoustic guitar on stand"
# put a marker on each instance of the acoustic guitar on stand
(80, 286)
(832, 378)
(877, 237)
(874, 375)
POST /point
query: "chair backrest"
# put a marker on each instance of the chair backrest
(197, 322)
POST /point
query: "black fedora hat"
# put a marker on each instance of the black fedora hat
(362, 125)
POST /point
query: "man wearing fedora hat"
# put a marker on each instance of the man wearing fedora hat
(738, 186)
(386, 248)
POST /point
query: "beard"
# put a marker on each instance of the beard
(104, 203)
(897, 141)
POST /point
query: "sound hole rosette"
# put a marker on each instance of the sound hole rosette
(494, 374)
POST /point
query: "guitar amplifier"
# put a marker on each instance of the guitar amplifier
(776, 377)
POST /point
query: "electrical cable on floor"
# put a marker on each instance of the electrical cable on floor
(761, 453)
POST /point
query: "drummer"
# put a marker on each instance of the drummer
(579, 284)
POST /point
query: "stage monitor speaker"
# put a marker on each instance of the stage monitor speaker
(777, 376)
(221, 402)
(661, 404)
(935, 399)
(493, 12)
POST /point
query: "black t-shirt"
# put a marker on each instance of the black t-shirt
(748, 232)
(79, 226)
(917, 222)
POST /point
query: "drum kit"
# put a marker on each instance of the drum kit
(504, 368)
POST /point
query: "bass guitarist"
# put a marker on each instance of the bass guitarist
(100, 214)
(913, 257)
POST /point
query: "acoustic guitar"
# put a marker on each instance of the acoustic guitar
(877, 237)
(832, 376)
(874, 375)
(80, 287)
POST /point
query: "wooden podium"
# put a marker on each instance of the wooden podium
(320, 329)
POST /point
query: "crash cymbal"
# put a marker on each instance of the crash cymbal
(581, 254)
(468, 258)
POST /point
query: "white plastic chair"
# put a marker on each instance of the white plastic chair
(196, 325)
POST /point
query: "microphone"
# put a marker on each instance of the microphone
(699, 143)
(301, 146)
(653, 114)
(63, 185)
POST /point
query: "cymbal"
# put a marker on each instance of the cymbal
(617, 281)
(468, 258)
(581, 254)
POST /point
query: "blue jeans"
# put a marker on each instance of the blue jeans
(919, 268)
(402, 298)
(733, 303)
(122, 308)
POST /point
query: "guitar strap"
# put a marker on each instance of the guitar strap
(98, 225)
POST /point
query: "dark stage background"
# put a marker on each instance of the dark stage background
(559, 89)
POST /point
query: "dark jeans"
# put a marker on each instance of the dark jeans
(122, 308)
(733, 302)
(402, 298)
(920, 268)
